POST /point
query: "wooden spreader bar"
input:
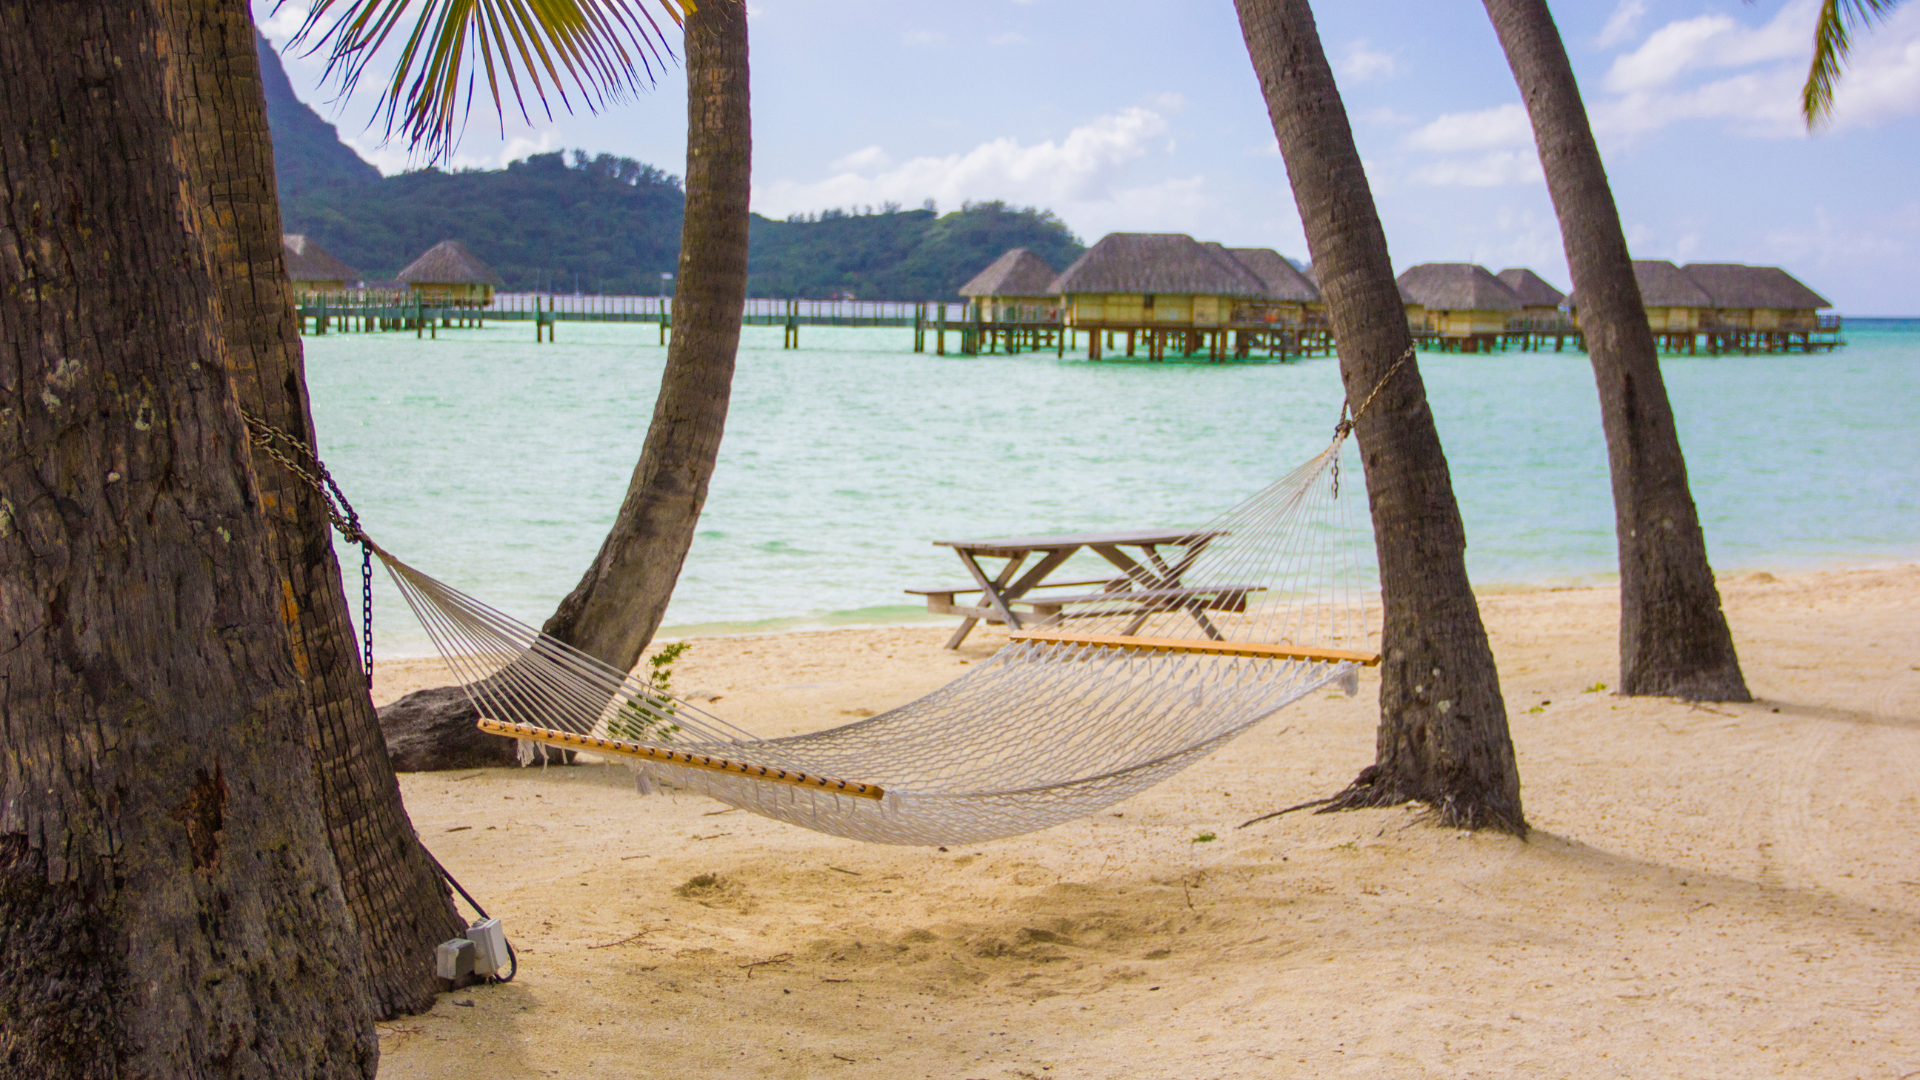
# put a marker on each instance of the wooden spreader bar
(681, 757)
(1212, 648)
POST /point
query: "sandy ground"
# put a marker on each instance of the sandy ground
(1710, 891)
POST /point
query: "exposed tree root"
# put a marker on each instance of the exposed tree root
(1367, 792)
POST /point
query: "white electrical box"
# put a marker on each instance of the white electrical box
(489, 946)
(452, 959)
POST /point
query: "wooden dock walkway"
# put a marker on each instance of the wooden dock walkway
(957, 328)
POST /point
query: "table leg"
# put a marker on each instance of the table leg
(990, 590)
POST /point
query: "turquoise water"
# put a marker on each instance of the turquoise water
(497, 464)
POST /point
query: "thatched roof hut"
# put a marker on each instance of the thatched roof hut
(1531, 288)
(1733, 285)
(1457, 287)
(1284, 281)
(313, 268)
(1155, 279)
(449, 262)
(450, 273)
(1664, 285)
(1162, 264)
(1017, 273)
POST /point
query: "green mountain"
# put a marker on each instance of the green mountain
(607, 224)
(307, 151)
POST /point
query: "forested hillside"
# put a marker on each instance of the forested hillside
(608, 224)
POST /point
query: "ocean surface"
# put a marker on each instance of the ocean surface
(497, 464)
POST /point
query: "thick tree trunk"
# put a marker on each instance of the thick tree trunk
(400, 906)
(1674, 638)
(1443, 729)
(618, 604)
(168, 905)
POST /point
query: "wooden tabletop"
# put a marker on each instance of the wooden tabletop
(1119, 537)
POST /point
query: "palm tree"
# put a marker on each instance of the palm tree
(168, 902)
(1832, 38)
(1674, 638)
(400, 906)
(1443, 736)
(615, 609)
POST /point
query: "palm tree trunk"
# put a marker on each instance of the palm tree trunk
(400, 906)
(168, 904)
(1443, 736)
(1674, 638)
(618, 604)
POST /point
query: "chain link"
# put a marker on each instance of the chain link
(311, 471)
(1345, 426)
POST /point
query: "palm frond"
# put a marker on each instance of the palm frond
(1832, 37)
(597, 50)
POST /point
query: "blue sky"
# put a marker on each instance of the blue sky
(1129, 116)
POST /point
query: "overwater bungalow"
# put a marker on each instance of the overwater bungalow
(449, 275)
(1291, 300)
(312, 269)
(1540, 302)
(1167, 287)
(1013, 288)
(1457, 305)
(1675, 303)
(1757, 297)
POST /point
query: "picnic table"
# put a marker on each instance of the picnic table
(1153, 580)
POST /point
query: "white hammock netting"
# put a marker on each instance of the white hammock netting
(1198, 643)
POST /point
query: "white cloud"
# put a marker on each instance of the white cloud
(1503, 125)
(923, 37)
(1882, 78)
(1712, 67)
(1009, 38)
(870, 158)
(1080, 167)
(1361, 63)
(1622, 23)
(1493, 169)
(1082, 177)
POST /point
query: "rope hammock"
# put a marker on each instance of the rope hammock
(1256, 610)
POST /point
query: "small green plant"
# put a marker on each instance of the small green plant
(1595, 688)
(648, 718)
(1205, 838)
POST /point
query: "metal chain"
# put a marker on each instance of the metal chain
(1345, 426)
(311, 471)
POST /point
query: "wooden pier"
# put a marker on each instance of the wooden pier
(959, 329)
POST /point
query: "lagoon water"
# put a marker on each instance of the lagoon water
(496, 464)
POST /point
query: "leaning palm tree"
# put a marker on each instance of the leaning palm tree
(1832, 39)
(1674, 638)
(534, 50)
(1443, 737)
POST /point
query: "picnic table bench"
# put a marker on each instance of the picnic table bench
(1152, 582)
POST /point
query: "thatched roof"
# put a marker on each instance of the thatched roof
(1284, 281)
(450, 263)
(1167, 264)
(1530, 287)
(1663, 284)
(308, 261)
(1732, 285)
(1456, 287)
(1017, 273)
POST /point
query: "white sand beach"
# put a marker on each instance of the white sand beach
(1710, 891)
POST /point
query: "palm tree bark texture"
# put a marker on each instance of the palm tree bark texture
(1674, 638)
(615, 609)
(400, 906)
(1443, 737)
(168, 903)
